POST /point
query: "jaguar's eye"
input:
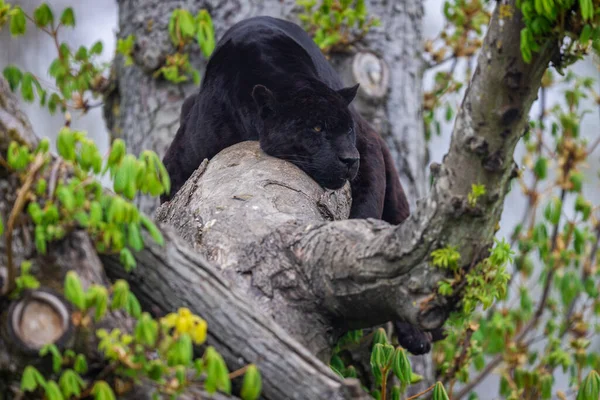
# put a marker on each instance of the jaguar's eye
(317, 128)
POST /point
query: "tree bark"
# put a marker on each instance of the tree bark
(272, 250)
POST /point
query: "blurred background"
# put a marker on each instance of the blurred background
(97, 20)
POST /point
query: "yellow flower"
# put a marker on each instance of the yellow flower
(184, 312)
(186, 322)
(198, 332)
(169, 320)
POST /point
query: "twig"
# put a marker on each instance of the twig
(16, 210)
(540, 309)
(238, 372)
(421, 393)
(460, 358)
(3, 163)
(596, 143)
(431, 65)
(103, 374)
(384, 383)
(486, 371)
(584, 275)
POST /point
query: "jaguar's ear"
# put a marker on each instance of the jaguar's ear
(349, 93)
(265, 100)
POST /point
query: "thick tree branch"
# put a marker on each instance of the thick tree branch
(176, 276)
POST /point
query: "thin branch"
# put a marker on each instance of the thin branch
(549, 279)
(477, 380)
(584, 275)
(15, 212)
(413, 397)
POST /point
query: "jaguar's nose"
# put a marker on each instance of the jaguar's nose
(350, 162)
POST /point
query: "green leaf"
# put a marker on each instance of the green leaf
(541, 168)
(586, 34)
(100, 300)
(252, 385)
(68, 17)
(439, 393)
(546, 382)
(152, 229)
(120, 294)
(380, 336)
(27, 87)
(127, 259)
(205, 35)
(66, 144)
(31, 379)
(102, 391)
(590, 387)
(71, 383)
(447, 257)
(43, 15)
(217, 376)
(587, 9)
(54, 102)
(336, 363)
(401, 366)
(186, 24)
(553, 210)
(40, 239)
(17, 22)
(415, 378)
(576, 180)
(583, 206)
(525, 47)
(377, 356)
(155, 370)
(74, 290)
(388, 355)
(80, 364)
(81, 54)
(133, 306)
(181, 351)
(53, 391)
(97, 48)
(146, 330)
(13, 76)
(66, 198)
(134, 237)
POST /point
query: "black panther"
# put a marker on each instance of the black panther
(268, 81)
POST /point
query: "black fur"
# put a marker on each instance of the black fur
(267, 80)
